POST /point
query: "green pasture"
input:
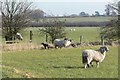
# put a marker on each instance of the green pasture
(81, 19)
(87, 19)
(57, 63)
(89, 34)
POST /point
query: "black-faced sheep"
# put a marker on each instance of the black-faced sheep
(46, 46)
(88, 56)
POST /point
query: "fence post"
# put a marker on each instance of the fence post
(31, 34)
(46, 37)
(81, 37)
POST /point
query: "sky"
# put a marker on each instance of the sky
(71, 0)
(68, 7)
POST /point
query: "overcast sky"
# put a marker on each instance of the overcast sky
(68, 7)
(71, 0)
(61, 7)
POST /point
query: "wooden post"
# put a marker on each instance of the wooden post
(81, 37)
(31, 34)
(46, 37)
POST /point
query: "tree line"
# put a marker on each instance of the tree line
(72, 24)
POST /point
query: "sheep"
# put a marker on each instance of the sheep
(88, 56)
(62, 43)
(19, 36)
(46, 45)
(73, 45)
(72, 29)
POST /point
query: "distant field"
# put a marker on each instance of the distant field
(83, 19)
(87, 19)
(89, 34)
(57, 63)
(86, 32)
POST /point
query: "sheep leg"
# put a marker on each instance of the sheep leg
(45, 46)
(48, 47)
(88, 65)
(91, 64)
(55, 46)
(85, 61)
(97, 63)
(85, 66)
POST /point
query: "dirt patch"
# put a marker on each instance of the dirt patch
(20, 47)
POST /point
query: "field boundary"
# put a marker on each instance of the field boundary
(33, 46)
(19, 47)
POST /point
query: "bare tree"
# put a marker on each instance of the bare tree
(54, 29)
(15, 16)
(112, 7)
(112, 30)
(107, 10)
(115, 6)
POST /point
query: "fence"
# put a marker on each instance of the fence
(33, 46)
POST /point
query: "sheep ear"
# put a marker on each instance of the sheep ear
(107, 48)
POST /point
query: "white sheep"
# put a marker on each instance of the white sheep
(19, 36)
(62, 43)
(88, 56)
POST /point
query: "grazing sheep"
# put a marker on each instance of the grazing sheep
(88, 56)
(19, 36)
(72, 29)
(62, 43)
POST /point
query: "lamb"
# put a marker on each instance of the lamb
(46, 45)
(88, 56)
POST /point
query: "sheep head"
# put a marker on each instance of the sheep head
(103, 49)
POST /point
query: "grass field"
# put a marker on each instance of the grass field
(89, 34)
(87, 19)
(83, 19)
(57, 63)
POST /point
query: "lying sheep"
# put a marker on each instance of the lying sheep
(88, 56)
(46, 46)
(62, 43)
